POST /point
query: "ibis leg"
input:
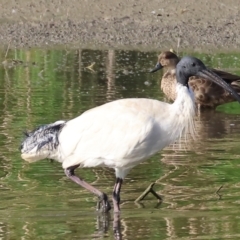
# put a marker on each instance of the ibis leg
(116, 195)
(147, 191)
(103, 199)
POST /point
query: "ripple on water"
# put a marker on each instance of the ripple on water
(39, 202)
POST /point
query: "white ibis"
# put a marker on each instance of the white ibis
(120, 134)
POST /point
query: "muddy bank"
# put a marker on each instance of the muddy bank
(145, 24)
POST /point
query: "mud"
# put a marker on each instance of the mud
(154, 24)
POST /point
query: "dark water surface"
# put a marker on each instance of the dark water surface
(39, 202)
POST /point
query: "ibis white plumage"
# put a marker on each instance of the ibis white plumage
(120, 134)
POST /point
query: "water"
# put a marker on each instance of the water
(39, 202)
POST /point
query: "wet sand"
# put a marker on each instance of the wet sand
(156, 24)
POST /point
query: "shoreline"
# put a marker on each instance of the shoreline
(144, 25)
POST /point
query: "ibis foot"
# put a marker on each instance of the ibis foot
(103, 204)
(117, 226)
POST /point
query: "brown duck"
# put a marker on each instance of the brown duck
(207, 94)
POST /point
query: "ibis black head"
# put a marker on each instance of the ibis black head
(191, 66)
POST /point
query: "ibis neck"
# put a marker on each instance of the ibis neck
(184, 95)
(184, 110)
(182, 78)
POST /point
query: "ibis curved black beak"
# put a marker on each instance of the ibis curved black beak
(157, 67)
(209, 75)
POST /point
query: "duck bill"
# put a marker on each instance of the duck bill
(157, 67)
(209, 75)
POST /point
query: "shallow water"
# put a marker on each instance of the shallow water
(39, 202)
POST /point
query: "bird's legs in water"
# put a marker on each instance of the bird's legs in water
(102, 196)
(117, 226)
(147, 191)
(116, 195)
(103, 223)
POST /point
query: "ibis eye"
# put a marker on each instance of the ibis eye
(193, 64)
